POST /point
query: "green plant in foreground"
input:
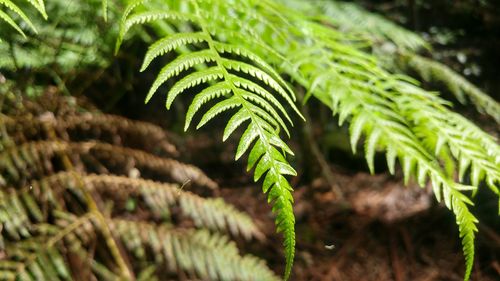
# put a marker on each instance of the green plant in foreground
(233, 56)
(14, 8)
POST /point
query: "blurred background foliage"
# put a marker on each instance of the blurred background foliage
(464, 34)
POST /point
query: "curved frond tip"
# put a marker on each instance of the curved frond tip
(235, 81)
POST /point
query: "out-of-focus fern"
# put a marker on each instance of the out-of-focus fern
(72, 37)
(104, 127)
(28, 159)
(353, 18)
(197, 252)
(72, 41)
(463, 90)
(59, 222)
(211, 256)
(7, 6)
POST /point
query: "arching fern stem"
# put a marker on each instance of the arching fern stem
(268, 152)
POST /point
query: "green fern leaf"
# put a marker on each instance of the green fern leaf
(145, 17)
(40, 6)
(203, 97)
(191, 80)
(236, 120)
(371, 145)
(11, 22)
(242, 51)
(170, 43)
(232, 82)
(183, 62)
(219, 108)
(14, 8)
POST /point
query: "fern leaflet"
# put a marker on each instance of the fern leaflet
(39, 5)
(238, 83)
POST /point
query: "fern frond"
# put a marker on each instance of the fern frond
(38, 258)
(209, 256)
(27, 260)
(361, 90)
(463, 90)
(89, 126)
(466, 225)
(15, 213)
(415, 160)
(170, 43)
(471, 147)
(386, 128)
(38, 4)
(5, 17)
(74, 40)
(353, 18)
(194, 251)
(380, 30)
(130, 19)
(233, 79)
(29, 159)
(161, 197)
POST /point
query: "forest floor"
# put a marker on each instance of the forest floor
(381, 231)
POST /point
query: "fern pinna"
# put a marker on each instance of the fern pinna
(9, 5)
(76, 204)
(238, 79)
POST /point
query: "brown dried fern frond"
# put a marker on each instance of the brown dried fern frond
(198, 253)
(88, 126)
(158, 198)
(28, 159)
(208, 255)
(189, 250)
(60, 221)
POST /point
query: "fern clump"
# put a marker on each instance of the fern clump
(243, 59)
(72, 40)
(87, 209)
(402, 47)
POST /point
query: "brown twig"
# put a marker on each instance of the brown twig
(399, 273)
